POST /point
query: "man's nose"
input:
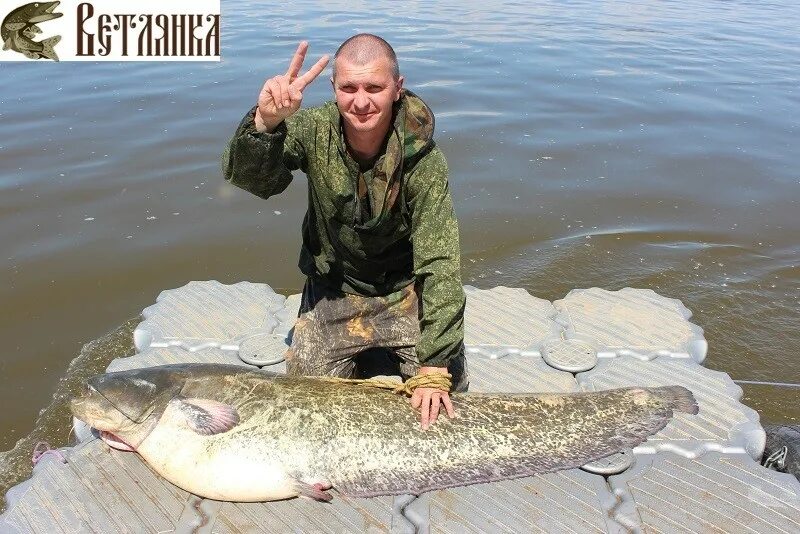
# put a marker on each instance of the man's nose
(361, 102)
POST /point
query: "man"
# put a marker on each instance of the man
(380, 238)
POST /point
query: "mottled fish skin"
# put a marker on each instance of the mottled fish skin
(368, 442)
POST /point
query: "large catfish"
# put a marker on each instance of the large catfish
(230, 433)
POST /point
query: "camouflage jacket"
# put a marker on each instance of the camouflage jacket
(369, 233)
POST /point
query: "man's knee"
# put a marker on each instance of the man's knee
(320, 363)
(296, 364)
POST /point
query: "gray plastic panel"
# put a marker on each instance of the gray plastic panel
(263, 350)
(505, 320)
(172, 355)
(197, 516)
(209, 314)
(411, 514)
(611, 465)
(288, 316)
(643, 339)
(637, 322)
(568, 501)
(713, 493)
(571, 355)
(516, 374)
(342, 514)
(723, 423)
(97, 490)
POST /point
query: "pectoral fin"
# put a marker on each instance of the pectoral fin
(208, 417)
(14, 26)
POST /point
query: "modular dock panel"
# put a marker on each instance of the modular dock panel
(699, 474)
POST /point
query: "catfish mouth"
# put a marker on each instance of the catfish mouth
(79, 409)
(115, 442)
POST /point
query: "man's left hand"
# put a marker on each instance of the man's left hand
(429, 400)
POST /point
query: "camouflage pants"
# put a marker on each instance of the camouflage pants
(344, 335)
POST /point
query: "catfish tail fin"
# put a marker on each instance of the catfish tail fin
(678, 398)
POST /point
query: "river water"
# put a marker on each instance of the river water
(647, 144)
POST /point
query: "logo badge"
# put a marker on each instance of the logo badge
(110, 30)
(21, 27)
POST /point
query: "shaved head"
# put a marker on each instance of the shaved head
(365, 48)
(366, 84)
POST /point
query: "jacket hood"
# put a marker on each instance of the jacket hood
(418, 124)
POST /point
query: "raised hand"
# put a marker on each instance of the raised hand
(282, 95)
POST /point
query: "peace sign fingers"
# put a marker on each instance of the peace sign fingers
(282, 95)
(302, 81)
(297, 60)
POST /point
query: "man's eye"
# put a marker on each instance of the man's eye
(374, 89)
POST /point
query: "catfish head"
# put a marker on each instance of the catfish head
(125, 406)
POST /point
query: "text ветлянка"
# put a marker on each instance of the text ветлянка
(149, 35)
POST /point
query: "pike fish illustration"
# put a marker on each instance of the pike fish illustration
(229, 433)
(20, 27)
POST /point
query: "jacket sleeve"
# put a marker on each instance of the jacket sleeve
(262, 163)
(437, 262)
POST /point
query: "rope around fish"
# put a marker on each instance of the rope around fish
(441, 381)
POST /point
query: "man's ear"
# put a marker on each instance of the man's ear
(399, 88)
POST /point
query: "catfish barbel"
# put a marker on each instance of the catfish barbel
(230, 433)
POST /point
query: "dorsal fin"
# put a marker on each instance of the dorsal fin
(414, 481)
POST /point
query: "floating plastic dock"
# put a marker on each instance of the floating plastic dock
(699, 474)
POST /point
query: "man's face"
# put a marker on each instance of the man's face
(365, 94)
